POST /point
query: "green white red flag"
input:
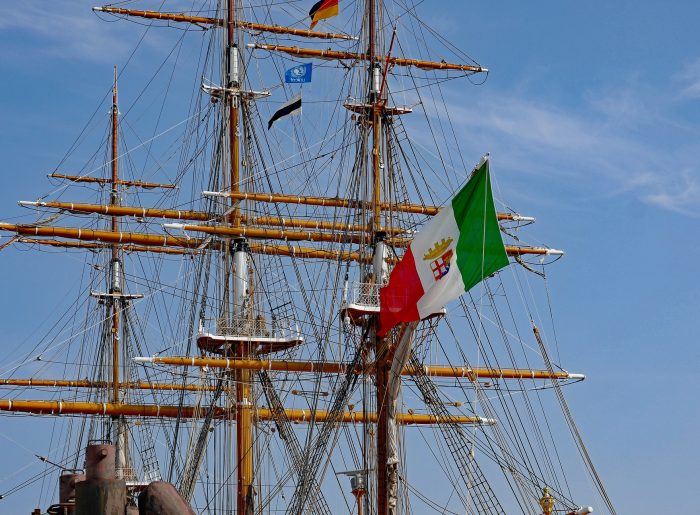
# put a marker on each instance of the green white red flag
(460, 246)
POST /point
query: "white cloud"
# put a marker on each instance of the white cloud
(681, 194)
(70, 30)
(689, 77)
(611, 145)
(67, 30)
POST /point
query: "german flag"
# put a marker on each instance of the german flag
(323, 9)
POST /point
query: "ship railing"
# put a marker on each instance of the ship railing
(258, 327)
(364, 294)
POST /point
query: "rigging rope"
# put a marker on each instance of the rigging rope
(573, 427)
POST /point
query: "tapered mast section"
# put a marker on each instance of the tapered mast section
(115, 299)
(115, 285)
(373, 99)
(233, 81)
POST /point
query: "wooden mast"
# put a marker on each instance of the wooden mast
(114, 299)
(380, 365)
(115, 286)
(244, 434)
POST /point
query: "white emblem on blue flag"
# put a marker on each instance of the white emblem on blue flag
(298, 74)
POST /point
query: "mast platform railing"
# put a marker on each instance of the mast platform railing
(228, 334)
(360, 300)
(365, 294)
(252, 327)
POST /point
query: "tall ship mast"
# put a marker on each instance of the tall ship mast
(234, 348)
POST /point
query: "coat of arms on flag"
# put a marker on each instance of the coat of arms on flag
(440, 256)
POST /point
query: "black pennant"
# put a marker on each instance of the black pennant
(290, 108)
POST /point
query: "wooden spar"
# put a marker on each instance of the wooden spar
(103, 236)
(155, 243)
(156, 240)
(512, 250)
(352, 56)
(80, 178)
(281, 234)
(158, 243)
(471, 374)
(308, 253)
(174, 411)
(246, 232)
(141, 212)
(340, 368)
(84, 383)
(202, 20)
(419, 209)
(335, 255)
(100, 246)
(174, 214)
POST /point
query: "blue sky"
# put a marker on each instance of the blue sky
(590, 113)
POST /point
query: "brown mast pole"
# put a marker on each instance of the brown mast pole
(234, 150)
(244, 437)
(376, 122)
(380, 363)
(116, 265)
(118, 423)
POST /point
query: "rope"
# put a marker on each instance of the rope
(573, 427)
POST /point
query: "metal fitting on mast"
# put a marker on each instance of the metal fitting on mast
(376, 79)
(116, 283)
(379, 260)
(240, 274)
(233, 75)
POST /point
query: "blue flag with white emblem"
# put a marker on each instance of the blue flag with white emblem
(298, 74)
